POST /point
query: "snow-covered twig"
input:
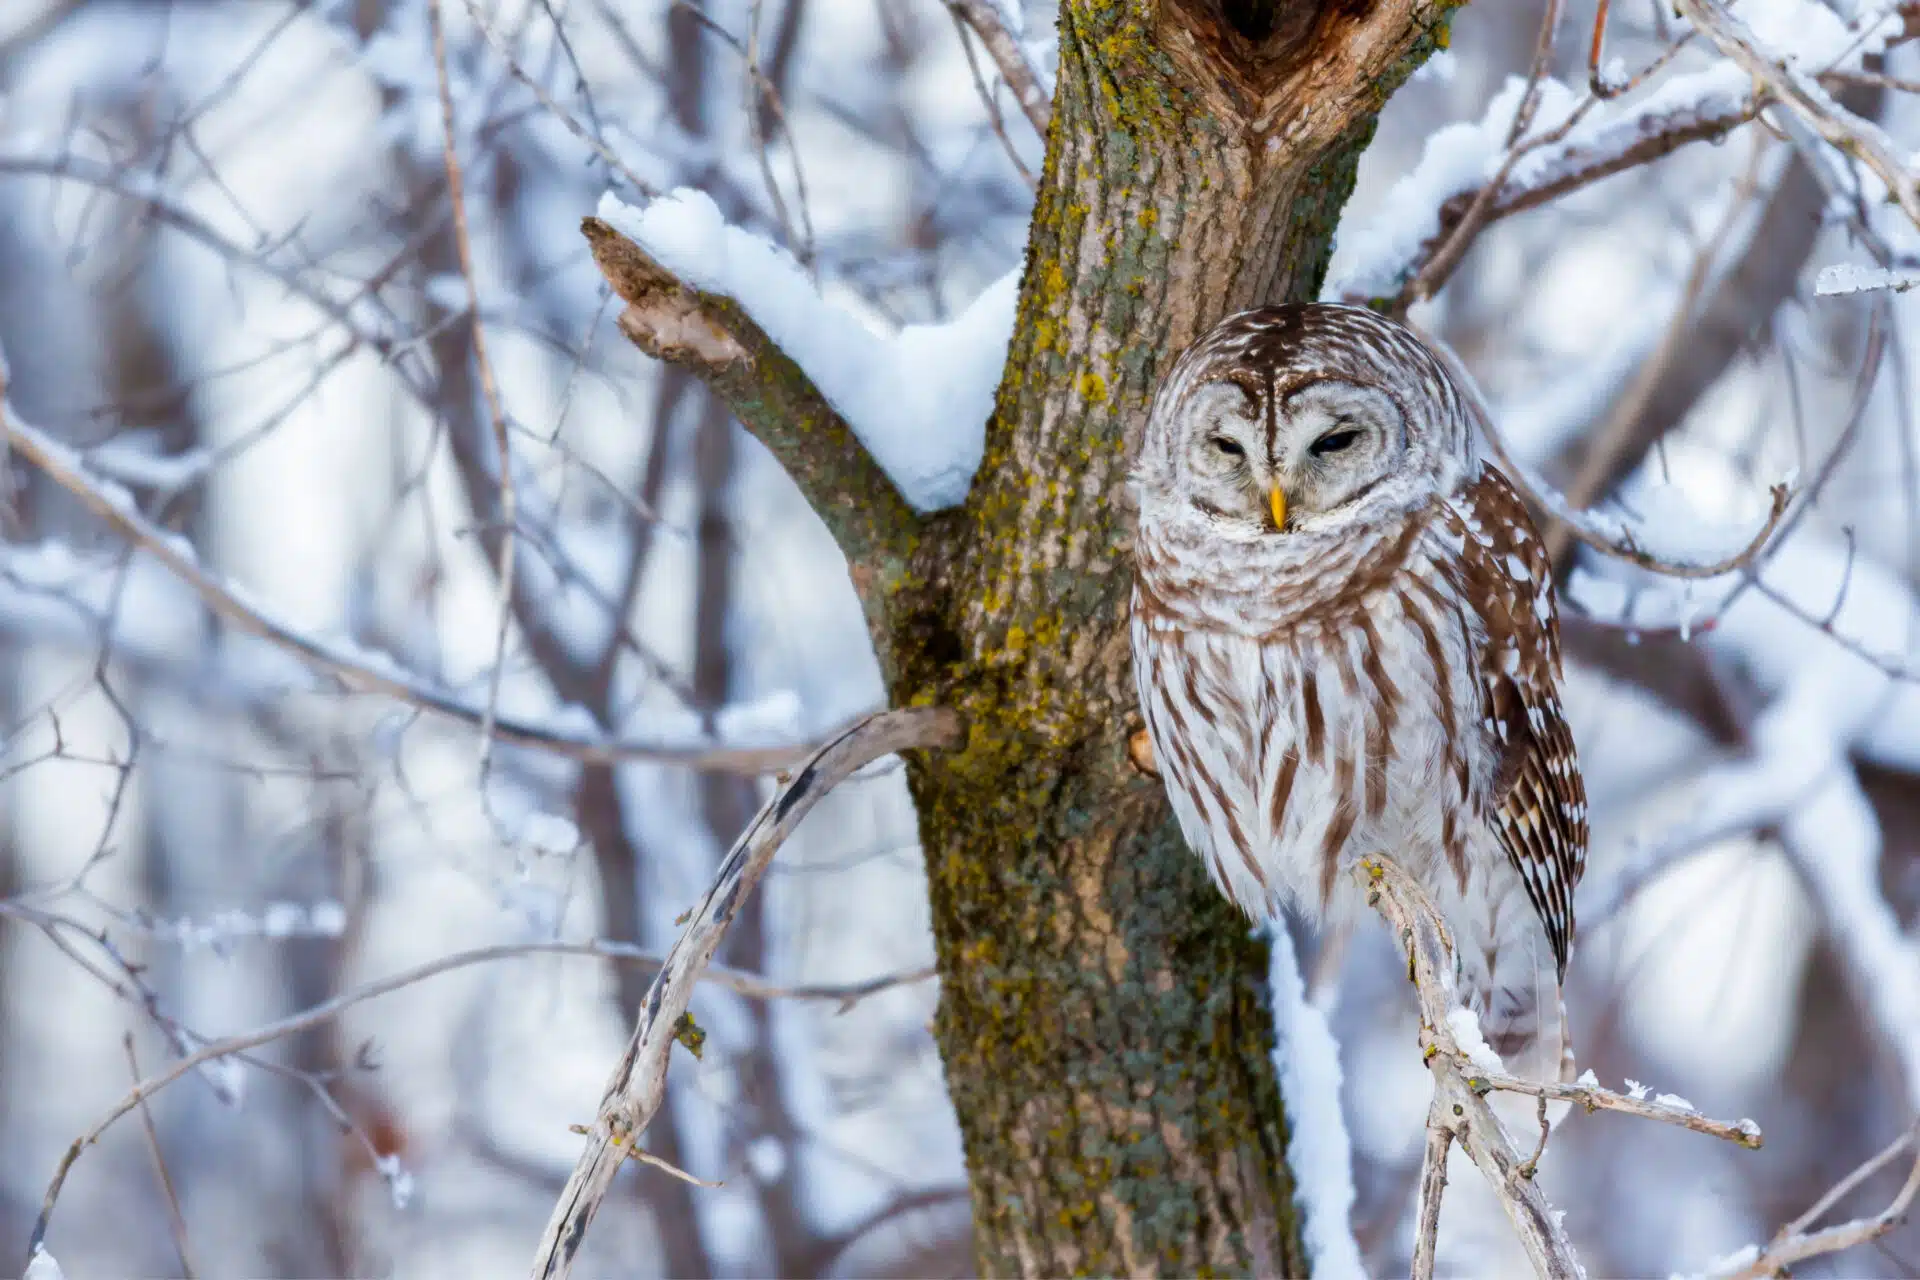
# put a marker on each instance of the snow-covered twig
(638, 1085)
(989, 22)
(1590, 1095)
(1691, 554)
(1459, 1108)
(1785, 81)
(355, 667)
(1796, 1242)
(1844, 278)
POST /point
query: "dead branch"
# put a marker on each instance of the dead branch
(1458, 1107)
(1010, 56)
(357, 669)
(1745, 1133)
(1835, 125)
(1796, 1243)
(714, 338)
(638, 1085)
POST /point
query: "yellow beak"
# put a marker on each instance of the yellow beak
(1277, 502)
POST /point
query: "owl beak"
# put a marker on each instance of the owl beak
(1277, 503)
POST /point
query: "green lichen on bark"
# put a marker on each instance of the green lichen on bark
(1103, 1014)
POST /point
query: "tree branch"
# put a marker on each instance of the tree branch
(715, 339)
(1839, 127)
(1795, 1243)
(356, 668)
(1459, 1107)
(1010, 56)
(638, 1085)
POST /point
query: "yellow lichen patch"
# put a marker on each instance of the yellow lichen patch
(1093, 388)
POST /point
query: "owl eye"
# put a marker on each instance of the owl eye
(1334, 441)
(1229, 447)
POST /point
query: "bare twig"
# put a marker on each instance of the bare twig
(1621, 546)
(1458, 1106)
(744, 983)
(356, 668)
(1836, 125)
(638, 1085)
(489, 388)
(995, 119)
(1796, 1243)
(1010, 56)
(176, 1221)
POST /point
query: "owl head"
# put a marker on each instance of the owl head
(1292, 420)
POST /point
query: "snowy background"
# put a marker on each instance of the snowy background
(233, 300)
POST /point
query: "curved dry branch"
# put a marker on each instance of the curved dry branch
(639, 1082)
(715, 339)
(358, 669)
(1459, 1109)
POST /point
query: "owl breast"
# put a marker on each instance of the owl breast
(1290, 750)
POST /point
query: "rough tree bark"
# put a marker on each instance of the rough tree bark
(1103, 1015)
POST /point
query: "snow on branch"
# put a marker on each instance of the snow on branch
(1459, 1112)
(1785, 78)
(1307, 1060)
(1465, 1071)
(639, 1082)
(1477, 172)
(1845, 278)
(357, 667)
(721, 297)
(1797, 1241)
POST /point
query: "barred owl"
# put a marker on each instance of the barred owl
(1344, 643)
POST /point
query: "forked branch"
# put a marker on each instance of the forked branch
(1460, 1112)
(1459, 1109)
(639, 1082)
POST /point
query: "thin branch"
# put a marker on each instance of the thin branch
(176, 1221)
(356, 668)
(1795, 1243)
(1745, 1133)
(1433, 1185)
(1620, 545)
(887, 727)
(1010, 56)
(638, 1085)
(995, 118)
(1459, 1107)
(714, 338)
(489, 388)
(1836, 125)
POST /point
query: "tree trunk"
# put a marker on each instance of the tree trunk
(1104, 1017)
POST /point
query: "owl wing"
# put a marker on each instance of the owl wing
(1538, 802)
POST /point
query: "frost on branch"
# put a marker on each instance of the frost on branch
(918, 400)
